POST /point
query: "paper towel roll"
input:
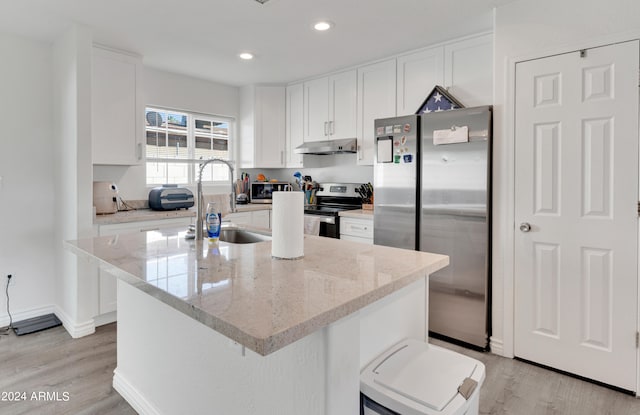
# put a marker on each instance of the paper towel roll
(287, 225)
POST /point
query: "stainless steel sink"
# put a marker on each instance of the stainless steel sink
(242, 236)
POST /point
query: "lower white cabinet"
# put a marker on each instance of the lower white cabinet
(107, 299)
(356, 229)
(257, 218)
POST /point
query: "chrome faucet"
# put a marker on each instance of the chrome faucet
(232, 196)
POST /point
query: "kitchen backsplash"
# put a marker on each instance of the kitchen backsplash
(328, 168)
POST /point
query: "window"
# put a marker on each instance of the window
(174, 138)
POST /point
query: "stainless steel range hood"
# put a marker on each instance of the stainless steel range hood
(347, 145)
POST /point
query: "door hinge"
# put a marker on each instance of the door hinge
(637, 340)
(638, 208)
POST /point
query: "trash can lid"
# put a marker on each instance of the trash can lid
(422, 373)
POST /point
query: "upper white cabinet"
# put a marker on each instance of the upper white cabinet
(376, 99)
(316, 109)
(330, 107)
(294, 124)
(418, 73)
(464, 68)
(262, 127)
(117, 108)
(469, 70)
(342, 105)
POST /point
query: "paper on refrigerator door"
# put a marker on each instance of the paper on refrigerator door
(451, 136)
(385, 150)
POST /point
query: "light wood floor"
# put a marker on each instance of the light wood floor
(518, 388)
(51, 361)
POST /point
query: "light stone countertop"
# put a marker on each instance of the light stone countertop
(139, 215)
(357, 213)
(241, 292)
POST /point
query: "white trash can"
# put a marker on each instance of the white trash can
(416, 378)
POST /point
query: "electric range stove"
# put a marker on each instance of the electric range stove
(330, 200)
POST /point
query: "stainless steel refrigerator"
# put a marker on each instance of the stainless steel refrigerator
(433, 193)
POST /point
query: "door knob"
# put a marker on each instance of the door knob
(525, 227)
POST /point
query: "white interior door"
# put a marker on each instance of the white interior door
(576, 186)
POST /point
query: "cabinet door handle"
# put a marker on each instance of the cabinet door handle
(139, 151)
(281, 157)
(325, 127)
(359, 152)
(150, 229)
(332, 129)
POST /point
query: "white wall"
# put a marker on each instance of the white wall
(26, 167)
(73, 176)
(323, 169)
(528, 30)
(169, 90)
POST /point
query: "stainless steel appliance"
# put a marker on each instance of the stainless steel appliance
(439, 200)
(331, 199)
(261, 191)
(347, 145)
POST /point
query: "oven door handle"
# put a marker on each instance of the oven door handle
(331, 220)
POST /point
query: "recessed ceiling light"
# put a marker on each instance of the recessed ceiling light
(246, 56)
(322, 26)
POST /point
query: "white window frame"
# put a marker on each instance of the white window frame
(192, 174)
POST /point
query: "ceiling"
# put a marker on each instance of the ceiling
(202, 38)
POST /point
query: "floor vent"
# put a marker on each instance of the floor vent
(31, 325)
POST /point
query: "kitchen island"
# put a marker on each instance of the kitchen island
(227, 329)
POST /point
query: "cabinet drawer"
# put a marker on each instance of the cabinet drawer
(368, 241)
(362, 228)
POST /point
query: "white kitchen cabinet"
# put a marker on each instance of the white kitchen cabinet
(107, 299)
(376, 99)
(316, 109)
(262, 127)
(330, 106)
(117, 109)
(256, 218)
(356, 229)
(469, 70)
(238, 218)
(294, 124)
(464, 68)
(418, 74)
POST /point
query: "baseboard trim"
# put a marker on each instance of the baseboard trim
(497, 346)
(132, 396)
(75, 330)
(106, 318)
(28, 313)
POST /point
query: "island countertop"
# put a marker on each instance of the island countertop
(243, 293)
